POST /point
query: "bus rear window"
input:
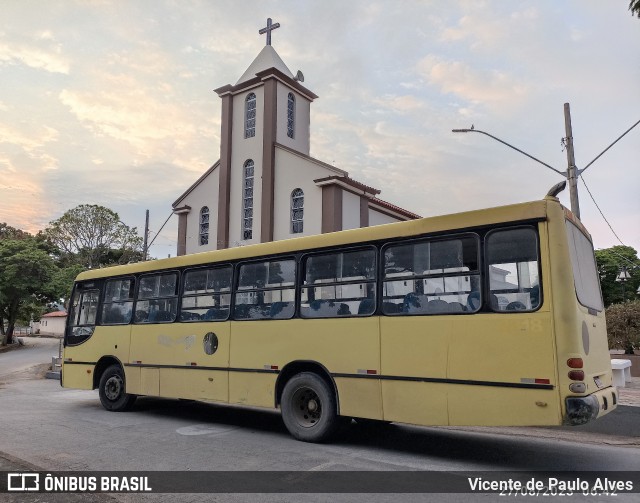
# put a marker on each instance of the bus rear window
(585, 272)
(514, 277)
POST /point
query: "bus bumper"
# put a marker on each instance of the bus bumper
(79, 376)
(582, 409)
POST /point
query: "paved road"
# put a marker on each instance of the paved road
(35, 351)
(59, 429)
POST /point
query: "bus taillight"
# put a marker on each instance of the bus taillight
(576, 375)
(575, 363)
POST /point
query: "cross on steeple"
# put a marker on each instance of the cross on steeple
(270, 27)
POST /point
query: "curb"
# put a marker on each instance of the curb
(53, 374)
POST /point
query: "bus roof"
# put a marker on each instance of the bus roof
(536, 210)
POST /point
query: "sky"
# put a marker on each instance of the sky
(112, 102)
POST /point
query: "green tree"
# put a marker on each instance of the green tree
(26, 274)
(634, 7)
(8, 232)
(610, 263)
(63, 279)
(94, 236)
(623, 326)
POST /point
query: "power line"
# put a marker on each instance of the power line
(605, 218)
(632, 265)
(158, 233)
(600, 154)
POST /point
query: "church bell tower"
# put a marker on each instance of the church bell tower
(267, 107)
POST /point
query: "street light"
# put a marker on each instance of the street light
(572, 173)
(623, 277)
(473, 130)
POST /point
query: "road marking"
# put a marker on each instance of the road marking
(204, 429)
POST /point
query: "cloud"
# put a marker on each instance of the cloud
(34, 57)
(472, 84)
(399, 104)
(21, 196)
(30, 142)
(126, 91)
(133, 96)
(127, 113)
(145, 59)
(484, 29)
(7, 168)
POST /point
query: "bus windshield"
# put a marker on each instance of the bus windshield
(585, 272)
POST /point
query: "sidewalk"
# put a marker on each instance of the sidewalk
(630, 394)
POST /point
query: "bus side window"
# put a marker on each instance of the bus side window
(117, 305)
(266, 290)
(206, 294)
(513, 262)
(432, 277)
(339, 284)
(157, 300)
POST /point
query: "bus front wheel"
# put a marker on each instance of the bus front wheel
(309, 408)
(112, 390)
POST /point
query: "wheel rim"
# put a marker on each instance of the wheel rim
(113, 388)
(307, 407)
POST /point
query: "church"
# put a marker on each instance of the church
(266, 186)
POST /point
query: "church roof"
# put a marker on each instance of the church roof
(268, 58)
(346, 181)
(194, 185)
(392, 207)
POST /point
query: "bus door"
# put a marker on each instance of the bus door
(80, 353)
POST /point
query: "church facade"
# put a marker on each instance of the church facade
(266, 186)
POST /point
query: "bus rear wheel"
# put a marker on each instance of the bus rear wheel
(113, 395)
(309, 408)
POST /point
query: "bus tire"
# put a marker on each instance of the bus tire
(309, 408)
(113, 395)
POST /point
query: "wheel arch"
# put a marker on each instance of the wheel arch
(296, 367)
(103, 364)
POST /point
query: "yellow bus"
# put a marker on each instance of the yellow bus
(489, 317)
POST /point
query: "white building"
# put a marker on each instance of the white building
(266, 186)
(53, 323)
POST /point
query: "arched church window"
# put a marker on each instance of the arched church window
(204, 225)
(247, 201)
(297, 211)
(250, 116)
(291, 113)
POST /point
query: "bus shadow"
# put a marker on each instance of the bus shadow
(207, 412)
(507, 449)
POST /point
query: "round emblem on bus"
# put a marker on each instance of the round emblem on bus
(210, 343)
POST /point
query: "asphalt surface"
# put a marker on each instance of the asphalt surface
(623, 423)
(618, 430)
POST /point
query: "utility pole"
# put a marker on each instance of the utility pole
(146, 236)
(572, 172)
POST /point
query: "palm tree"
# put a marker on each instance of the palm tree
(634, 7)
